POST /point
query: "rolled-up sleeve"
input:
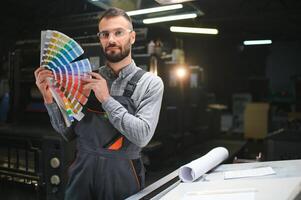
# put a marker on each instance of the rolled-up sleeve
(138, 128)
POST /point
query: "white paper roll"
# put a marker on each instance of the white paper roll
(196, 168)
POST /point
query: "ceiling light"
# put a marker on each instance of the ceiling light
(155, 9)
(257, 42)
(169, 18)
(193, 30)
(171, 1)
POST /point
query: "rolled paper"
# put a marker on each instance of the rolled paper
(197, 168)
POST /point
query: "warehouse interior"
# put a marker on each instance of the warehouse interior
(218, 89)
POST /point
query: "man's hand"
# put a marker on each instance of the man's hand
(99, 85)
(41, 74)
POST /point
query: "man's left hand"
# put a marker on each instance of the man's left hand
(99, 85)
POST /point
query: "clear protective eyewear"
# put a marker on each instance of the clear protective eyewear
(120, 32)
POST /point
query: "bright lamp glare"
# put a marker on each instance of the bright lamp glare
(153, 10)
(181, 72)
(169, 18)
(257, 42)
(193, 30)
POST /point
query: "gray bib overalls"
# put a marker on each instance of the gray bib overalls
(107, 165)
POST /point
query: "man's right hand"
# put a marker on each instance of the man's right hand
(41, 75)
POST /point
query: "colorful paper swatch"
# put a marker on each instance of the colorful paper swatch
(58, 52)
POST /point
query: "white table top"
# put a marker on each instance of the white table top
(290, 170)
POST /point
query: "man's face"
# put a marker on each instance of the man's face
(116, 38)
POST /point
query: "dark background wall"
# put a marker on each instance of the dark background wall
(229, 65)
(283, 65)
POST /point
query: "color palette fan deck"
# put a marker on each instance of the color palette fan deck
(58, 53)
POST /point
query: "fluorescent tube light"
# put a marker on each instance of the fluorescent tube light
(153, 10)
(164, 2)
(257, 42)
(169, 18)
(193, 30)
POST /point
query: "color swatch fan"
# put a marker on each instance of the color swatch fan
(58, 52)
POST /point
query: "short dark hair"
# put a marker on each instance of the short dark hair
(115, 12)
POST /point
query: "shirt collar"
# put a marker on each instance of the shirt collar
(125, 71)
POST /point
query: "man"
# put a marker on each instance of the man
(118, 122)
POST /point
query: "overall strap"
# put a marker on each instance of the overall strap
(117, 141)
(131, 85)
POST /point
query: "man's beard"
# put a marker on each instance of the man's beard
(115, 57)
